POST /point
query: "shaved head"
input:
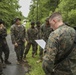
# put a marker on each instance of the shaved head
(55, 20)
(56, 15)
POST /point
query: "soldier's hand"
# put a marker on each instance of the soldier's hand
(0, 27)
(16, 44)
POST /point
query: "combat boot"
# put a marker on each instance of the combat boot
(2, 74)
(7, 62)
(3, 65)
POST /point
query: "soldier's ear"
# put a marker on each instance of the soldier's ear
(54, 20)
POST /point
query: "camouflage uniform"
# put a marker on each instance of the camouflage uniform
(18, 34)
(38, 29)
(4, 47)
(31, 37)
(38, 36)
(1, 67)
(59, 41)
(0, 55)
(45, 32)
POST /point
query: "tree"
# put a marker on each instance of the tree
(40, 9)
(68, 10)
(9, 9)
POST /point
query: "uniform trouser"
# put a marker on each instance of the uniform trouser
(1, 68)
(28, 48)
(5, 49)
(19, 51)
(46, 68)
(41, 53)
(0, 61)
(36, 48)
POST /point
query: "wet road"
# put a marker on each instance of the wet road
(14, 68)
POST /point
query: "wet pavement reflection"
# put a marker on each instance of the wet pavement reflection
(14, 68)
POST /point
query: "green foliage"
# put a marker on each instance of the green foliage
(40, 9)
(9, 9)
(72, 17)
(44, 8)
(68, 10)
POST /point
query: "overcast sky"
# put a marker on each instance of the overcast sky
(25, 4)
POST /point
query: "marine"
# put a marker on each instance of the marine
(18, 36)
(31, 37)
(60, 54)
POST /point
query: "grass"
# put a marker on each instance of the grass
(36, 68)
(27, 25)
(8, 31)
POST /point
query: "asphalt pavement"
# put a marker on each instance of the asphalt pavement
(14, 68)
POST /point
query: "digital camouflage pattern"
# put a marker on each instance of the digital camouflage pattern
(31, 37)
(3, 43)
(45, 31)
(38, 37)
(3, 47)
(38, 32)
(59, 41)
(32, 34)
(18, 35)
(3, 34)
